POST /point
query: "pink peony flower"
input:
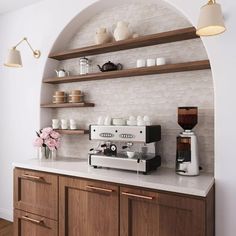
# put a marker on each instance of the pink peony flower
(44, 135)
(47, 130)
(51, 143)
(48, 137)
(38, 142)
(55, 135)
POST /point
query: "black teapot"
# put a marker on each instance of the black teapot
(109, 66)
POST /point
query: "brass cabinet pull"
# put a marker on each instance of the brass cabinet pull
(137, 196)
(99, 189)
(32, 220)
(32, 177)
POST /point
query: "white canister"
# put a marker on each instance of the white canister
(151, 62)
(160, 61)
(55, 123)
(64, 124)
(141, 63)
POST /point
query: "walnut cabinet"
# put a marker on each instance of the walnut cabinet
(53, 205)
(88, 208)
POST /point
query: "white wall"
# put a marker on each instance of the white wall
(20, 94)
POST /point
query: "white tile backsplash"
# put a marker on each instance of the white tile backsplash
(157, 96)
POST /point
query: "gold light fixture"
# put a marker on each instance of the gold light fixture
(14, 56)
(211, 21)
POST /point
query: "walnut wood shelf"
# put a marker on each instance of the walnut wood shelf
(142, 41)
(169, 68)
(67, 105)
(72, 132)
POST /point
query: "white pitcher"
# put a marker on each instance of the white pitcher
(122, 31)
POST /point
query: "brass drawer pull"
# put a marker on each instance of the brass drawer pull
(99, 189)
(32, 177)
(137, 196)
(32, 220)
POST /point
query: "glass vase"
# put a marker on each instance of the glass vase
(46, 153)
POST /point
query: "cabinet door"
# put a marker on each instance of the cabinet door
(26, 224)
(36, 192)
(144, 213)
(88, 208)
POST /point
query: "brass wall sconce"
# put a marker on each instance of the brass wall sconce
(211, 21)
(14, 56)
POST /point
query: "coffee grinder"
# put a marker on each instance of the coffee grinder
(187, 162)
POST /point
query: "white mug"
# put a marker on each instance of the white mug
(73, 124)
(72, 121)
(160, 61)
(107, 120)
(151, 62)
(100, 120)
(141, 63)
(55, 123)
(64, 124)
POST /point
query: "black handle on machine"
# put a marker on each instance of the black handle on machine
(124, 147)
(103, 145)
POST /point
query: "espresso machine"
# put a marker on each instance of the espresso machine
(117, 150)
(187, 162)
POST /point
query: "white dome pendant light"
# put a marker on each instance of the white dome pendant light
(211, 21)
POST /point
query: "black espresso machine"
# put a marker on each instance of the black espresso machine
(125, 147)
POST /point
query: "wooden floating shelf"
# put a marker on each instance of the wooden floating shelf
(168, 68)
(72, 132)
(67, 105)
(142, 41)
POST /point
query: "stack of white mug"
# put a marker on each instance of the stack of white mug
(151, 62)
(64, 124)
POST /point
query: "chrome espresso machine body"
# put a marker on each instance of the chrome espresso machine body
(108, 154)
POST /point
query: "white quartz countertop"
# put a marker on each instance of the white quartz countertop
(164, 179)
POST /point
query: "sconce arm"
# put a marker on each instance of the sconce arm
(36, 53)
(211, 2)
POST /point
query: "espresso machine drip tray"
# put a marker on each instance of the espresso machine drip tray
(142, 164)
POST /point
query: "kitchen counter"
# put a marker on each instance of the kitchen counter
(163, 179)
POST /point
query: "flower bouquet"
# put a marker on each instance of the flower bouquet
(47, 142)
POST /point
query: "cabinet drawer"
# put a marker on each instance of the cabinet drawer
(26, 224)
(36, 192)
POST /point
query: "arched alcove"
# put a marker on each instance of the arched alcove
(157, 96)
